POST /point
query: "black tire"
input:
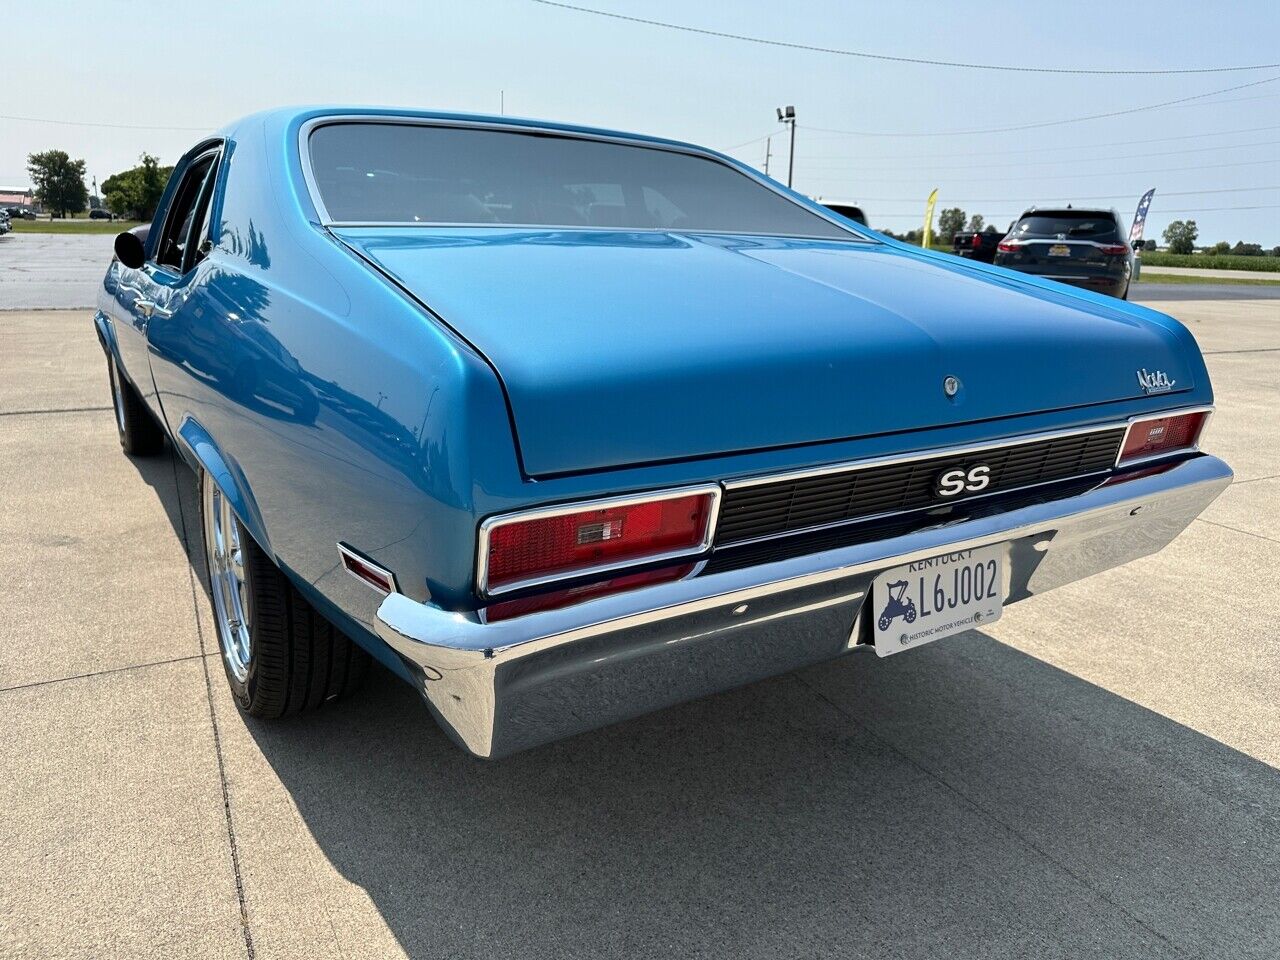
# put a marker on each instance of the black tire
(298, 660)
(140, 435)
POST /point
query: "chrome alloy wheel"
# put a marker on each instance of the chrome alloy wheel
(225, 556)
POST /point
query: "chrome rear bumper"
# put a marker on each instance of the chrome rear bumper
(513, 684)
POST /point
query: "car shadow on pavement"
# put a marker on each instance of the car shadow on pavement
(965, 800)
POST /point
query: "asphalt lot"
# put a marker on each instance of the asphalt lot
(1097, 775)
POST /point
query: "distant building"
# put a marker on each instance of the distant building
(17, 197)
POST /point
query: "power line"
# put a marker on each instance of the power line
(943, 165)
(862, 54)
(86, 123)
(1105, 196)
(1059, 149)
(1146, 141)
(747, 143)
(1174, 106)
(1001, 216)
(1042, 123)
(1059, 176)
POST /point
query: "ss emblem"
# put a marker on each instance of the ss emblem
(959, 481)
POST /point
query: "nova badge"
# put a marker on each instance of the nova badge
(958, 481)
(1155, 381)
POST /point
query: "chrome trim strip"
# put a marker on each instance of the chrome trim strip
(340, 224)
(518, 127)
(349, 553)
(557, 510)
(1078, 243)
(856, 466)
(1164, 454)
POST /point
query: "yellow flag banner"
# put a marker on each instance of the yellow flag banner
(926, 238)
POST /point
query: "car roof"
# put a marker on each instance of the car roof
(1069, 212)
(287, 117)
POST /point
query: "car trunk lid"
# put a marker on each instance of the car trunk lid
(627, 348)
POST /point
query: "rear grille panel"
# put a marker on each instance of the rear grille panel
(847, 535)
(789, 506)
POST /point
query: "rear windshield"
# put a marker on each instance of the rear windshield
(417, 173)
(1081, 224)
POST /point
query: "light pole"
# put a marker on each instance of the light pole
(787, 115)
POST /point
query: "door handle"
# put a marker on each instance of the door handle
(149, 308)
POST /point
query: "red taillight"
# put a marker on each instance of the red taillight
(1009, 246)
(1147, 438)
(976, 242)
(560, 542)
(1115, 249)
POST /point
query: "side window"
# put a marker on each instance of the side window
(197, 243)
(184, 216)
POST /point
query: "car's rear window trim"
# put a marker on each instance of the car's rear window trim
(308, 176)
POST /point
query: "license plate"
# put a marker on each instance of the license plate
(934, 598)
(1060, 250)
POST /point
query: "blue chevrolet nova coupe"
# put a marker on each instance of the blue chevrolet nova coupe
(564, 425)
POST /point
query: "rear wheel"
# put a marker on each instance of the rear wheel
(280, 655)
(140, 435)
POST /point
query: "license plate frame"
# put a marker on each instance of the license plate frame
(942, 595)
(1060, 250)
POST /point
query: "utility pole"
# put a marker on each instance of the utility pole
(768, 150)
(787, 115)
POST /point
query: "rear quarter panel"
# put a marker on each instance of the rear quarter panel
(340, 411)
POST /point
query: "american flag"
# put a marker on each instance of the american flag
(1140, 218)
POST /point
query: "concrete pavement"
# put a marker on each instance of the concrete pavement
(44, 271)
(1097, 775)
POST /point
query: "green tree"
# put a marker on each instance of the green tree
(1181, 235)
(950, 222)
(59, 181)
(1219, 248)
(136, 192)
(977, 222)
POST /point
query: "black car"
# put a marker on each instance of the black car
(848, 211)
(1085, 248)
(977, 244)
(99, 214)
(22, 213)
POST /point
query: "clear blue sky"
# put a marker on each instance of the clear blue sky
(201, 64)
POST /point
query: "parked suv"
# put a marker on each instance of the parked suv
(1085, 248)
